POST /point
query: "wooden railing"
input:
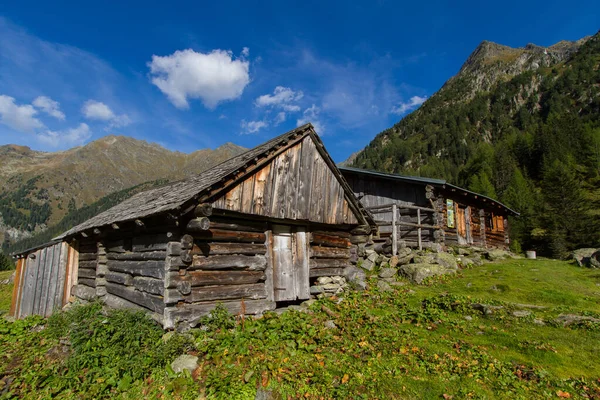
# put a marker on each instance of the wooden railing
(417, 213)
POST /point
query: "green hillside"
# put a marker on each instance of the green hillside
(519, 125)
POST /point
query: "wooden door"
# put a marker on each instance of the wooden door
(290, 263)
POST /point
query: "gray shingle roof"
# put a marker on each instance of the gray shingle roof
(169, 197)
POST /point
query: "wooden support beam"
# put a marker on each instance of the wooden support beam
(139, 223)
(96, 231)
(419, 229)
(203, 210)
(395, 229)
(115, 226)
(198, 224)
(84, 234)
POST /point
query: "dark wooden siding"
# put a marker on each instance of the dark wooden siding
(373, 191)
(296, 185)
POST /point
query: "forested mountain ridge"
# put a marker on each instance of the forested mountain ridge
(38, 189)
(519, 125)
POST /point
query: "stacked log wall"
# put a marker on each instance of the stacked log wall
(330, 253)
(135, 273)
(85, 289)
(226, 264)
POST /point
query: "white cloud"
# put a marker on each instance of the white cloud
(311, 115)
(413, 103)
(212, 77)
(67, 138)
(20, 118)
(49, 106)
(252, 126)
(93, 109)
(245, 52)
(281, 97)
(96, 110)
(279, 118)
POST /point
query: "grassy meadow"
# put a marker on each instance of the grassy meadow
(415, 342)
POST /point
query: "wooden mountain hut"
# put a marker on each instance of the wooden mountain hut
(251, 233)
(427, 212)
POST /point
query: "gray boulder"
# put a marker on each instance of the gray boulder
(424, 259)
(384, 286)
(419, 272)
(582, 256)
(185, 362)
(496, 254)
(595, 260)
(387, 272)
(356, 277)
(568, 319)
(447, 260)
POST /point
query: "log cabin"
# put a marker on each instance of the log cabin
(251, 233)
(425, 212)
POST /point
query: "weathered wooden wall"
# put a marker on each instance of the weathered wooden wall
(134, 275)
(85, 288)
(296, 185)
(226, 264)
(373, 191)
(40, 281)
(329, 253)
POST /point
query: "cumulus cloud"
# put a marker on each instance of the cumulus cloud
(21, 118)
(96, 110)
(49, 106)
(67, 138)
(212, 77)
(252, 126)
(282, 96)
(413, 103)
(311, 115)
(279, 118)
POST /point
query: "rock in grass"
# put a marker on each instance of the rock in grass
(447, 260)
(384, 286)
(582, 256)
(185, 362)
(521, 313)
(330, 324)
(417, 273)
(496, 254)
(387, 272)
(595, 260)
(568, 319)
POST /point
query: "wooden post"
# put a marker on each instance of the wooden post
(419, 228)
(394, 229)
(16, 296)
(203, 210)
(198, 224)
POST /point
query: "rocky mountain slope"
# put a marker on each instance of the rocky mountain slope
(520, 125)
(38, 189)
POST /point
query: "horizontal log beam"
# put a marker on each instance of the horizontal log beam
(86, 273)
(203, 210)
(149, 285)
(120, 278)
(329, 252)
(329, 240)
(226, 292)
(145, 256)
(149, 301)
(89, 282)
(317, 272)
(198, 224)
(213, 249)
(87, 256)
(251, 263)
(329, 262)
(154, 269)
(206, 278)
(231, 236)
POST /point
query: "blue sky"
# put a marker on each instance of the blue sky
(192, 75)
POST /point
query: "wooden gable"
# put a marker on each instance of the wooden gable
(297, 184)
